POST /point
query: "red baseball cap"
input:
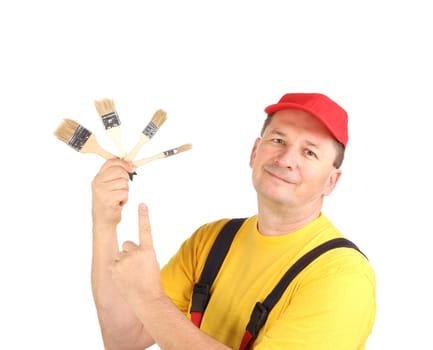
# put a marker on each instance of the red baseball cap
(333, 116)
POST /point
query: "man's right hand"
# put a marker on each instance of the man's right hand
(110, 189)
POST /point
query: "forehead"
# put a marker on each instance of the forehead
(300, 120)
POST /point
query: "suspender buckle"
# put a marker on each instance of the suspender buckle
(200, 297)
(257, 319)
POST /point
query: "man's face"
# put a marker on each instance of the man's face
(293, 162)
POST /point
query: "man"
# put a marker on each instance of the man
(329, 305)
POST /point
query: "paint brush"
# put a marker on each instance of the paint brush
(149, 131)
(80, 139)
(111, 121)
(165, 154)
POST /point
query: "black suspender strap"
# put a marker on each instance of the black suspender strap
(261, 310)
(218, 252)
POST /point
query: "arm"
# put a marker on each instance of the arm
(136, 274)
(119, 326)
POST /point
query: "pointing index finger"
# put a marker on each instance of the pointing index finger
(145, 234)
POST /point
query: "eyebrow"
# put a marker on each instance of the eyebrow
(276, 132)
(312, 144)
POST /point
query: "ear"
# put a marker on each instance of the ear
(254, 151)
(332, 181)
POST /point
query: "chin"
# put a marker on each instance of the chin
(276, 197)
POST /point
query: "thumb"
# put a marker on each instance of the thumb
(144, 231)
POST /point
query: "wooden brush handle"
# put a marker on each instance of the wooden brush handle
(114, 134)
(92, 146)
(141, 162)
(104, 154)
(131, 155)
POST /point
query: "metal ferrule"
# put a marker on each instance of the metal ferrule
(150, 130)
(79, 138)
(171, 152)
(110, 120)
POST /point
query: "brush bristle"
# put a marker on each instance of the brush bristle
(105, 106)
(66, 130)
(159, 117)
(184, 148)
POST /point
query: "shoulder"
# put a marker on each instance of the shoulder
(345, 269)
(340, 260)
(204, 237)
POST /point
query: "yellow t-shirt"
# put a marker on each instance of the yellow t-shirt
(329, 305)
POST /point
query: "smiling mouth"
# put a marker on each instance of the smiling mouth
(275, 173)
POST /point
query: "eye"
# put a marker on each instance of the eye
(280, 141)
(310, 153)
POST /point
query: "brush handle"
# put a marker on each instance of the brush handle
(131, 155)
(141, 162)
(92, 146)
(104, 154)
(114, 134)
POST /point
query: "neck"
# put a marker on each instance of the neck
(276, 220)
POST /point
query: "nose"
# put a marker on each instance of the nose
(287, 158)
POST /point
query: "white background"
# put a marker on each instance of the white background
(213, 66)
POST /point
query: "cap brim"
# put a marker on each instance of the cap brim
(288, 105)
